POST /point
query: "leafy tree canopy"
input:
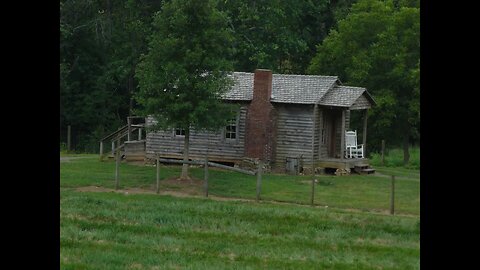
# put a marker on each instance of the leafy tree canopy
(185, 71)
(377, 46)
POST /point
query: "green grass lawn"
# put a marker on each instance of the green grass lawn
(399, 172)
(394, 158)
(108, 230)
(117, 231)
(361, 192)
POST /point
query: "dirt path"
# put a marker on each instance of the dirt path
(129, 191)
(413, 178)
(68, 159)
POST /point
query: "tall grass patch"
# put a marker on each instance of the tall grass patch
(394, 158)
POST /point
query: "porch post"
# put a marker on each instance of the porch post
(342, 137)
(365, 117)
(129, 126)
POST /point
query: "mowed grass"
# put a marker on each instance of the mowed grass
(118, 231)
(360, 192)
(394, 158)
(108, 230)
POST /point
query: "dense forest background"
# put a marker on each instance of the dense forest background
(369, 43)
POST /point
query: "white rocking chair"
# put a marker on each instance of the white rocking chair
(352, 149)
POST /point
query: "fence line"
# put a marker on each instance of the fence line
(207, 163)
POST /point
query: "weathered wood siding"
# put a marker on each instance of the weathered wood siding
(361, 103)
(201, 143)
(317, 133)
(294, 133)
(324, 127)
(338, 130)
(135, 150)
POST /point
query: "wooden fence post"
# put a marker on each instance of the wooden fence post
(392, 197)
(139, 134)
(259, 180)
(383, 152)
(313, 190)
(101, 150)
(69, 137)
(118, 144)
(117, 167)
(158, 175)
(205, 174)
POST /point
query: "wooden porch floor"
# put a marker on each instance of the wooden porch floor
(337, 163)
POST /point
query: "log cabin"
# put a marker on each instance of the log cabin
(292, 123)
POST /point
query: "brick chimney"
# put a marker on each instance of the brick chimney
(260, 133)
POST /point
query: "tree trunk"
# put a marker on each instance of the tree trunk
(186, 147)
(406, 153)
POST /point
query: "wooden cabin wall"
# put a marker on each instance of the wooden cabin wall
(347, 119)
(218, 148)
(317, 133)
(324, 127)
(294, 133)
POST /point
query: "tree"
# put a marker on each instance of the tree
(276, 34)
(185, 72)
(100, 45)
(378, 46)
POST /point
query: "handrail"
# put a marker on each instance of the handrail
(124, 131)
(124, 128)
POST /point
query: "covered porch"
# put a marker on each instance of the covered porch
(334, 152)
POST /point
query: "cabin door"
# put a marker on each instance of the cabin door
(332, 126)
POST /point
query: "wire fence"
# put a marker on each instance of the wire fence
(377, 193)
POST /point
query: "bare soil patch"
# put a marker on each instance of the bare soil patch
(68, 159)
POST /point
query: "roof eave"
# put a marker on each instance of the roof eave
(370, 98)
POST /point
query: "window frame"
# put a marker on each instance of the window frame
(175, 135)
(236, 121)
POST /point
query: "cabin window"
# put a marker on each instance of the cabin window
(231, 129)
(179, 132)
(230, 132)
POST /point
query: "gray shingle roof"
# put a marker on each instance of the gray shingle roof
(304, 89)
(286, 88)
(243, 87)
(342, 96)
(300, 89)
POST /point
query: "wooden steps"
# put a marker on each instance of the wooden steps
(363, 169)
(368, 171)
